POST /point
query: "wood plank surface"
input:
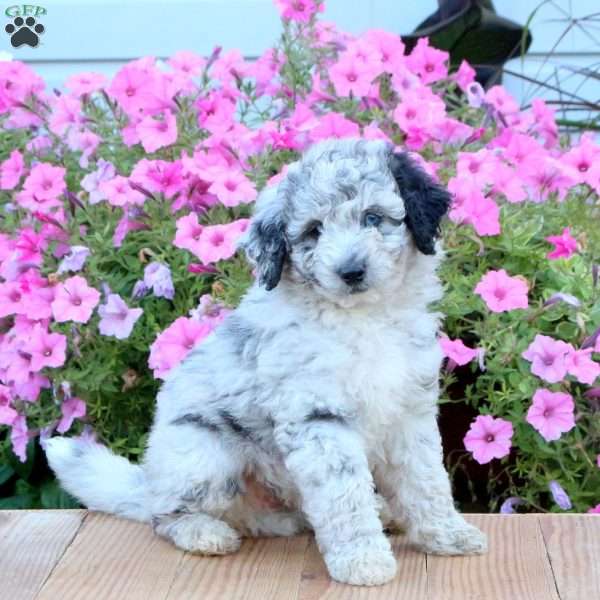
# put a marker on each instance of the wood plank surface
(515, 567)
(69, 555)
(113, 559)
(573, 546)
(410, 582)
(31, 543)
(264, 569)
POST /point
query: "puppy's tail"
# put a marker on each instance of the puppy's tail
(99, 478)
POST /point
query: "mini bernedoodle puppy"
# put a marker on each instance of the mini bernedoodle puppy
(321, 387)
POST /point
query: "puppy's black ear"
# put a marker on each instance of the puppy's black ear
(426, 202)
(265, 243)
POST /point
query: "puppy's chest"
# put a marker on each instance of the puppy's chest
(388, 363)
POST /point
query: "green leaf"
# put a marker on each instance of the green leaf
(6, 472)
(53, 496)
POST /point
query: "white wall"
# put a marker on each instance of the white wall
(101, 35)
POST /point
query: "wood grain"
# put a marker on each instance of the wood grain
(264, 569)
(573, 546)
(31, 543)
(515, 567)
(410, 582)
(113, 559)
(69, 555)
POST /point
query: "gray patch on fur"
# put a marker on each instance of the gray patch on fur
(197, 494)
(232, 488)
(324, 414)
(239, 331)
(195, 420)
(235, 425)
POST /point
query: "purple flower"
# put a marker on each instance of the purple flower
(75, 260)
(116, 318)
(508, 506)
(562, 297)
(91, 182)
(560, 496)
(158, 277)
(140, 289)
(475, 95)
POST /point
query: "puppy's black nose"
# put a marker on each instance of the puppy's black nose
(352, 273)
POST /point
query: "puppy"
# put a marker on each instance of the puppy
(321, 387)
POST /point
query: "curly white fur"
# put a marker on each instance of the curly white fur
(322, 390)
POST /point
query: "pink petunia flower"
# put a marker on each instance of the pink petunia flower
(489, 438)
(187, 62)
(11, 299)
(548, 358)
(551, 413)
(501, 292)
(465, 75)
(46, 349)
(351, 76)
(188, 233)
(456, 351)
(84, 141)
(11, 170)
(428, 62)
(219, 242)
(174, 343)
(594, 510)
(565, 245)
(580, 159)
(579, 363)
(116, 318)
(85, 83)
(157, 133)
(45, 182)
(133, 88)
(7, 413)
(119, 192)
(159, 176)
(232, 188)
(334, 125)
(75, 300)
(71, 408)
(19, 437)
(298, 10)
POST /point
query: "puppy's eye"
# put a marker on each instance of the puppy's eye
(372, 219)
(313, 230)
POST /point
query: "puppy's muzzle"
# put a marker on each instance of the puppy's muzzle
(353, 273)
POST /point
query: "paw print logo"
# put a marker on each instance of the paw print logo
(24, 32)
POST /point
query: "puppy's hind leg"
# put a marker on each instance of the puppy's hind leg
(194, 478)
(418, 491)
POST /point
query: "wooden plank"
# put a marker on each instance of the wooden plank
(515, 567)
(113, 559)
(573, 545)
(31, 543)
(410, 582)
(266, 568)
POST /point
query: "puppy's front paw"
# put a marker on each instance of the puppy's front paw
(362, 563)
(456, 538)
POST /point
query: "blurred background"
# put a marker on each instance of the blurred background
(560, 65)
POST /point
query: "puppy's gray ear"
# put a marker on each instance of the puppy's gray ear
(265, 242)
(426, 202)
